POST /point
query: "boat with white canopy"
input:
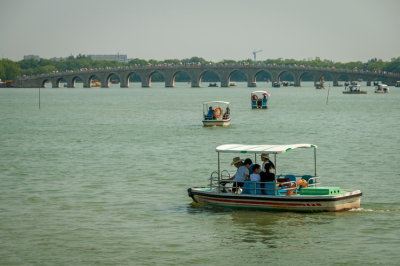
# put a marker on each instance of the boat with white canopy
(216, 113)
(381, 88)
(353, 88)
(284, 193)
(259, 99)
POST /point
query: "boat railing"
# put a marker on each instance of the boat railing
(214, 177)
(259, 188)
(256, 188)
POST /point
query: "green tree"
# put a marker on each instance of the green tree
(194, 60)
(11, 69)
(2, 72)
(137, 61)
(393, 65)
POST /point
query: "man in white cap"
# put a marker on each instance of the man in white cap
(241, 174)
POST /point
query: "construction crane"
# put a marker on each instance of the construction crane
(255, 54)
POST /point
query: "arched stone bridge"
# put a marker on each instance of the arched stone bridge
(196, 72)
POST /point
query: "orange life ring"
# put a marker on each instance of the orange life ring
(254, 98)
(217, 112)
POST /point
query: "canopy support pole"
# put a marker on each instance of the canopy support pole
(255, 157)
(315, 161)
(219, 176)
(276, 171)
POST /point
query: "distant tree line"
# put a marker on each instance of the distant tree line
(9, 69)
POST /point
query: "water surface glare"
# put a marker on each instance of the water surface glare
(99, 176)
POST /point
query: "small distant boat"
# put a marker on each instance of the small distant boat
(397, 84)
(114, 81)
(301, 193)
(353, 88)
(259, 99)
(213, 84)
(320, 84)
(287, 83)
(95, 83)
(6, 84)
(216, 113)
(276, 84)
(232, 84)
(252, 84)
(382, 88)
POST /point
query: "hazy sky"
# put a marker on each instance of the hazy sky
(340, 30)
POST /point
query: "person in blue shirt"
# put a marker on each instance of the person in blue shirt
(264, 100)
(210, 114)
(241, 175)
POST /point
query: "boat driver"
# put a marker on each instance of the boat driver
(242, 173)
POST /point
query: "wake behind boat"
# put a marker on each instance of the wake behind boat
(287, 193)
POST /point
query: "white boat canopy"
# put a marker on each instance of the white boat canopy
(260, 92)
(271, 149)
(212, 102)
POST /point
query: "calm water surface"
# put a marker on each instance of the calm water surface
(99, 176)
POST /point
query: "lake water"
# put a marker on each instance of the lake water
(99, 176)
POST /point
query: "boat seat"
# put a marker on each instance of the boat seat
(307, 178)
(248, 188)
(270, 188)
(291, 177)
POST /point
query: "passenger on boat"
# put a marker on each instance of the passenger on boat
(249, 164)
(259, 103)
(227, 113)
(255, 176)
(265, 159)
(253, 188)
(210, 114)
(241, 174)
(264, 99)
(267, 175)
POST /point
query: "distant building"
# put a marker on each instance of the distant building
(109, 57)
(57, 58)
(31, 56)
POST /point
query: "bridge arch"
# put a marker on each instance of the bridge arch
(61, 80)
(46, 83)
(179, 76)
(306, 76)
(156, 76)
(113, 78)
(263, 75)
(327, 77)
(209, 76)
(77, 79)
(238, 76)
(133, 77)
(344, 77)
(286, 75)
(94, 80)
